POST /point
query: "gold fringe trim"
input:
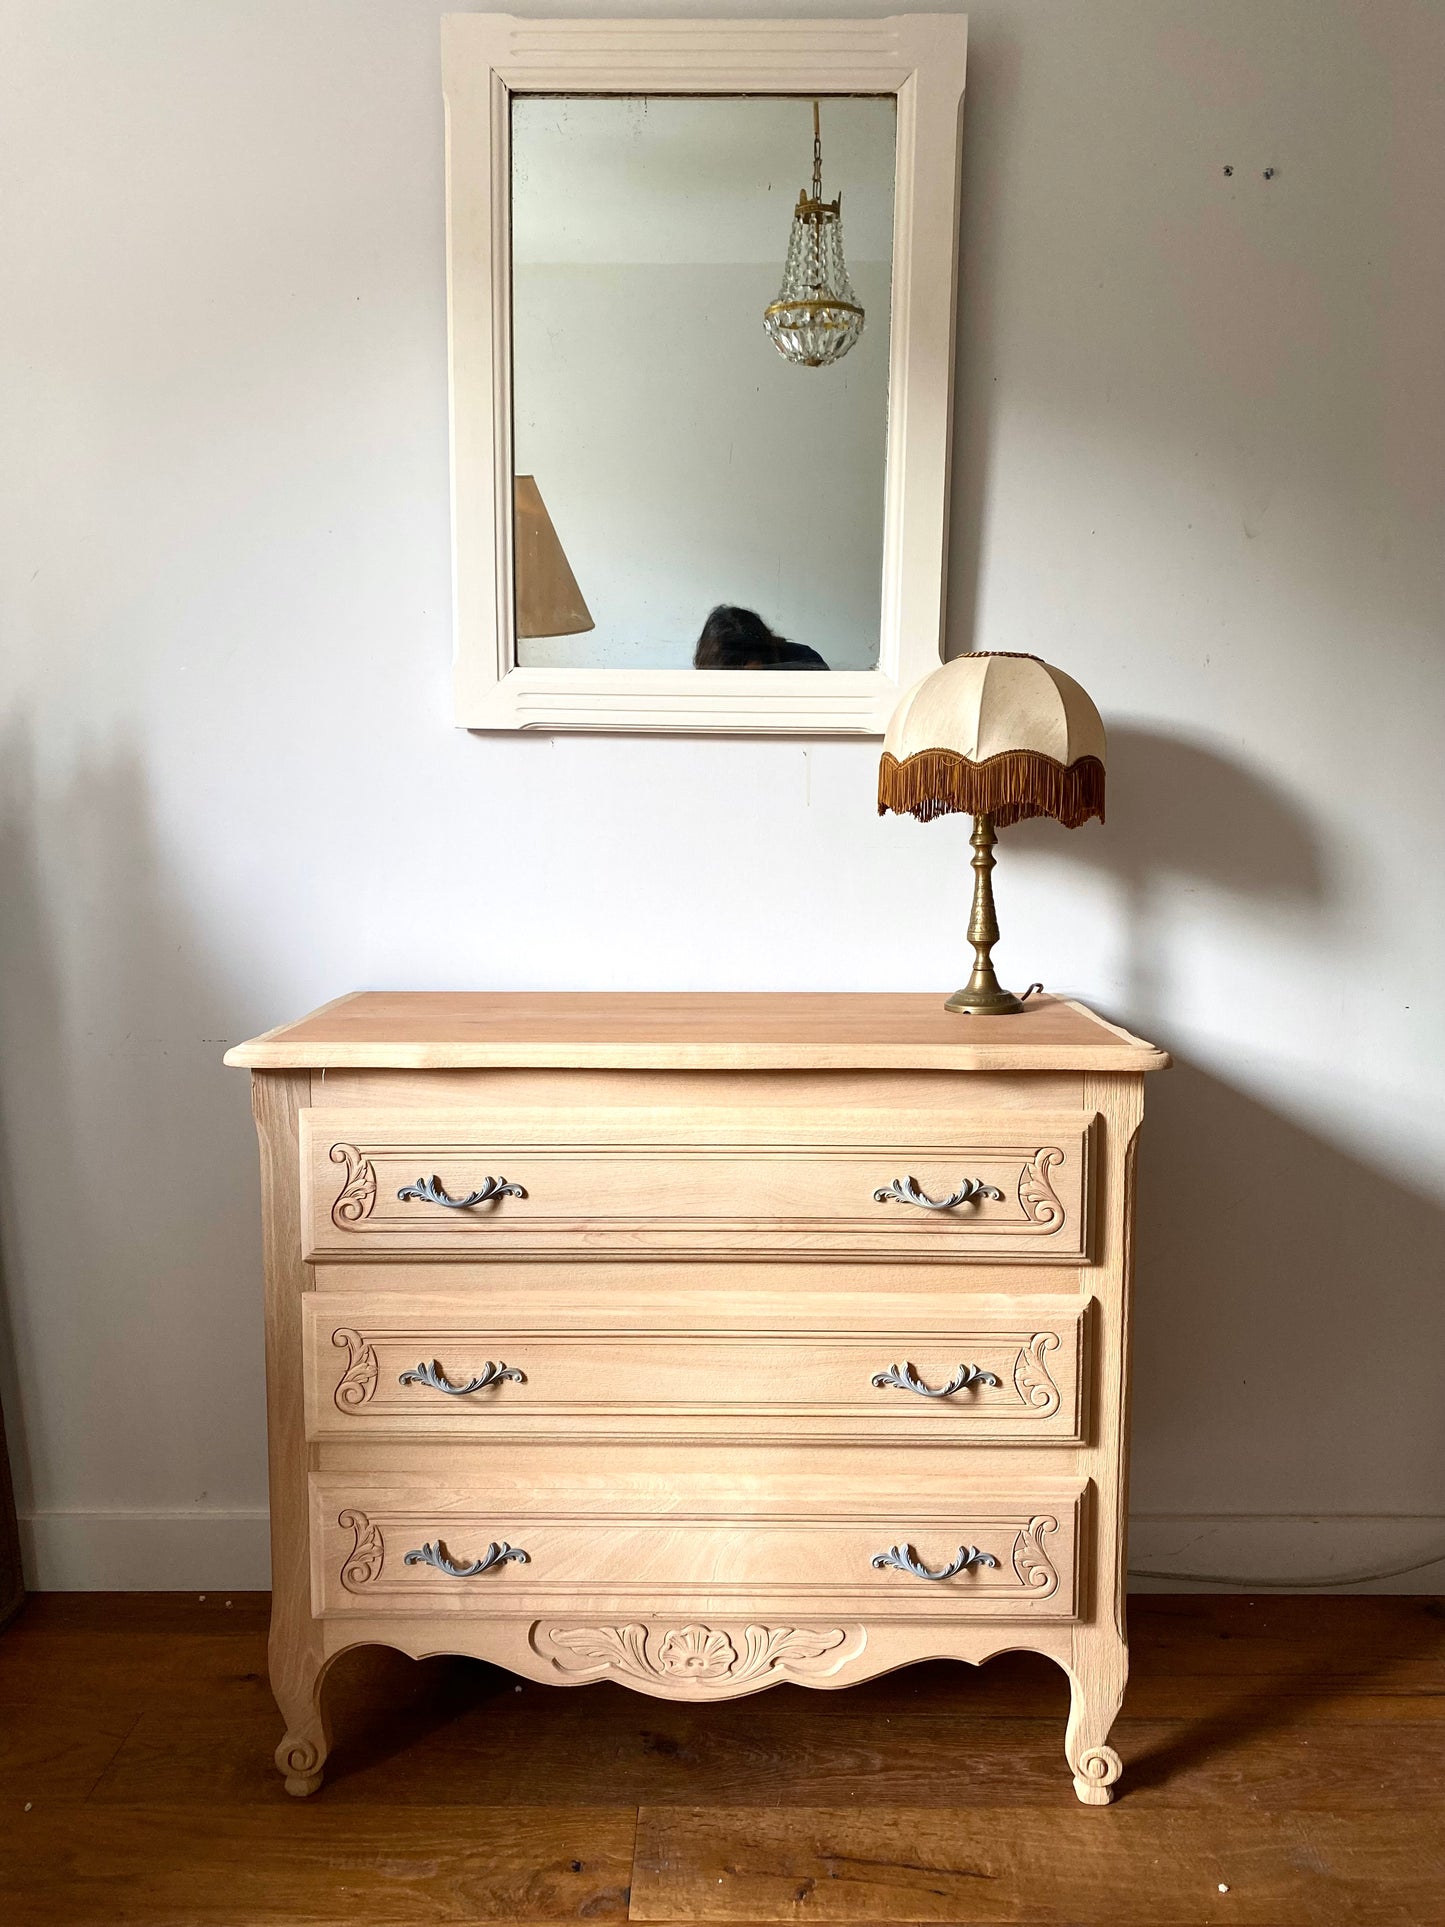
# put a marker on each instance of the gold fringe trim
(1008, 787)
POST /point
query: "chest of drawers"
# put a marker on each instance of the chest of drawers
(698, 1342)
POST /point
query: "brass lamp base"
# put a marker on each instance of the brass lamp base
(984, 999)
(983, 995)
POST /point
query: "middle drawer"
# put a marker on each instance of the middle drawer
(377, 1365)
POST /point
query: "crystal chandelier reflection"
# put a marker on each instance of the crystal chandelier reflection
(816, 318)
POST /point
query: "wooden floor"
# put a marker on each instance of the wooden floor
(1291, 1751)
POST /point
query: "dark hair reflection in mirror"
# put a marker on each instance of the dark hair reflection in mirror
(734, 638)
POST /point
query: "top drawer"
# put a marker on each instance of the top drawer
(610, 1182)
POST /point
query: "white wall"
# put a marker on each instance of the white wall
(1198, 464)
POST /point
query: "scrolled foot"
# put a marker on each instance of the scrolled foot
(1095, 1773)
(300, 1761)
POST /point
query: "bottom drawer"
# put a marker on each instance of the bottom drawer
(388, 1549)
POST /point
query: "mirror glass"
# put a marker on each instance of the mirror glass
(699, 448)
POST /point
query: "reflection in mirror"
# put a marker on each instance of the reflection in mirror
(699, 412)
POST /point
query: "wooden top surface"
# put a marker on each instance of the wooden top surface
(690, 1030)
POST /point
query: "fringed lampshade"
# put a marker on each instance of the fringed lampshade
(1002, 737)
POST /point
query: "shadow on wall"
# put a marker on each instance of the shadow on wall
(29, 1033)
(126, 1241)
(1290, 1309)
(1290, 1317)
(1180, 812)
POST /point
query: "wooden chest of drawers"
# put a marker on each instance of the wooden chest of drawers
(698, 1342)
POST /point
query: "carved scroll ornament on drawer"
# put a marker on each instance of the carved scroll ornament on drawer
(357, 1383)
(1036, 1194)
(357, 1196)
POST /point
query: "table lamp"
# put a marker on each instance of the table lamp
(1002, 736)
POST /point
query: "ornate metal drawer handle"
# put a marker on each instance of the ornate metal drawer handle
(906, 1191)
(907, 1380)
(434, 1376)
(905, 1559)
(434, 1555)
(433, 1191)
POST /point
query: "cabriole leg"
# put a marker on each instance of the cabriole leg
(301, 1756)
(1096, 1680)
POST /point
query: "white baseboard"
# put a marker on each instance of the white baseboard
(1287, 1551)
(180, 1551)
(146, 1551)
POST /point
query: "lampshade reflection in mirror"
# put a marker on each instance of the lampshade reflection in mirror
(549, 603)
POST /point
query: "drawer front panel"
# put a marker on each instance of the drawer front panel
(375, 1368)
(379, 1184)
(386, 1550)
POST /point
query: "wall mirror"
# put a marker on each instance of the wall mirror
(701, 283)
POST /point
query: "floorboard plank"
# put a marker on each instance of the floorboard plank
(1050, 1869)
(309, 1865)
(58, 1756)
(88, 1613)
(129, 1671)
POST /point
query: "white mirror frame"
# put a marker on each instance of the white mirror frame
(486, 58)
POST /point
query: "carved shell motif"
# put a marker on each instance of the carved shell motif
(358, 1194)
(1036, 1195)
(364, 1562)
(703, 1656)
(359, 1380)
(1032, 1564)
(1031, 1375)
(696, 1651)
